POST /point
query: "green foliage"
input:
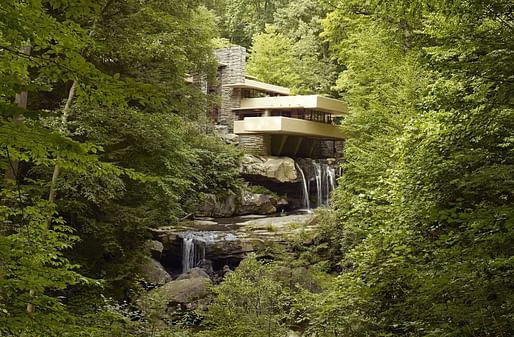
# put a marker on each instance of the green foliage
(146, 49)
(249, 302)
(272, 59)
(215, 164)
(426, 198)
(127, 146)
(301, 22)
(290, 52)
(240, 20)
(34, 267)
(327, 247)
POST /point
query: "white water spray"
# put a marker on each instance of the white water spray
(306, 202)
(318, 175)
(323, 177)
(193, 248)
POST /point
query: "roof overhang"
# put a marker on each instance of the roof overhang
(313, 102)
(261, 86)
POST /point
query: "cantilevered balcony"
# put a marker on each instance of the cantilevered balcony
(308, 116)
(310, 102)
(287, 126)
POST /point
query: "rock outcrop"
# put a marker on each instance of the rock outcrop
(193, 274)
(155, 248)
(170, 301)
(247, 202)
(257, 203)
(232, 242)
(153, 272)
(276, 169)
(215, 206)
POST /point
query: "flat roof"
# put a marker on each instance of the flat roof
(314, 102)
(261, 86)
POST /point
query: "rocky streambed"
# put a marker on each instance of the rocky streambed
(224, 241)
(186, 259)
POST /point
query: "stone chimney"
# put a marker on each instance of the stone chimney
(232, 63)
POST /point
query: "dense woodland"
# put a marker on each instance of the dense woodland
(102, 138)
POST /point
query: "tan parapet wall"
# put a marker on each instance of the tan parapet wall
(285, 125)
(263, 87)
(315, 102)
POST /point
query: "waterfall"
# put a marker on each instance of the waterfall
(193, 248)
(325, 181)
(318, 175)
(331, 172)
(322, 175)
(306, 202)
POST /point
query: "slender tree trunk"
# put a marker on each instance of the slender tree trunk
(64, 122)
(21, 100)
(53, 184)
(30, 306)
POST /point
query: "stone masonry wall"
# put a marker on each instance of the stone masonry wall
(331, 149)
(233, 63)
(259, 145)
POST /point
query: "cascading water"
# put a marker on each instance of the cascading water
(324, 177)
(193, 248)
(318, 175)
(331, 180)
(306, 202)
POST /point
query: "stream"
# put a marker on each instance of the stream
(220, 242)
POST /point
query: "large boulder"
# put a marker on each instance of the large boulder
(256, 203)
(214, 206)
(193, 273)
(153, 272)
(155, 247)
(276, 169)
(185, 292)
(173, 300)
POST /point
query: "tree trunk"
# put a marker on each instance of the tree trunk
(64, 122)
(21, 100)
(11, 174)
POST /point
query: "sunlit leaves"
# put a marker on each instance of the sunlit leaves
(428, 178)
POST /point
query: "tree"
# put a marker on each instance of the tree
(240, 20)
(272, 59)
(301, 21)
(428, 228)
(249, 302)
(127, 63)
(290, 52)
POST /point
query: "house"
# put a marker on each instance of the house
(268, 119)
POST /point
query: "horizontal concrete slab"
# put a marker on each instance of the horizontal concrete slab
(261, 86)
(314, 102)
(288, 126)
